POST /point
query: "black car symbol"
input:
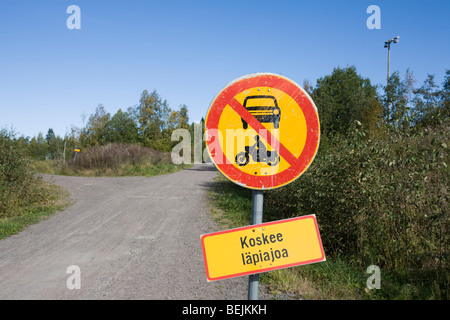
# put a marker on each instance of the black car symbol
(264, 109)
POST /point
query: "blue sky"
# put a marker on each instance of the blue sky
(189, 50)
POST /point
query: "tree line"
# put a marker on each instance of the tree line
(345, 97)
(149, 124)
(342, 98)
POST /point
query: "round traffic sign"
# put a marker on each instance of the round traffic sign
(262, 131)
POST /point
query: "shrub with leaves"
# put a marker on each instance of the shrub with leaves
(18, 184)
(379, 200)
(114, 156)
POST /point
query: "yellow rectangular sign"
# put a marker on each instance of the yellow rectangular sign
(76, 150)
(262, 247)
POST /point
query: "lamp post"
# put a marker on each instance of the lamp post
(387, 45)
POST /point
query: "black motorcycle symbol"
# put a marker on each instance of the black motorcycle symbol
(259, 153)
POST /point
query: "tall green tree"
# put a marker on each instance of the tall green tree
(431, 103)
(54, 145)
(178, 119)
(344, 97)
(397, 99)
(426, 100)
(121, 129)
(50, 135)
(445, 95)
(38, 147)
(95, 130)
(153, 114)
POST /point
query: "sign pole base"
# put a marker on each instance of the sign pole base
(257, 214)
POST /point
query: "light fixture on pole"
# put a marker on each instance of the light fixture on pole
(387, 44)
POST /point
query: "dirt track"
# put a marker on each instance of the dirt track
(132, 238)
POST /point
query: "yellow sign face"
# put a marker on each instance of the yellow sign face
(76, 150)
(262, 131)
(292, 135)
(263, 247)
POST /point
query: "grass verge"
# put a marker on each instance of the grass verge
(113, 160)
(54, 198)
(124, 170)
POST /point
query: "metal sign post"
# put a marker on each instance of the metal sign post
(75, 157)
(257, 214)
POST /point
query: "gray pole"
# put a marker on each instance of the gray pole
(388, 73)
(389, 62)
(257, 214)
(64, 154)
(387, 45)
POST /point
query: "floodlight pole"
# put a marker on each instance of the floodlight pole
(387, 45)
(388, 61)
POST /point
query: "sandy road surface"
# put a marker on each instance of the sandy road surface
(132, 238)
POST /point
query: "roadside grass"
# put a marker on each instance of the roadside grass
(231, 205)
(113, 160)
(338, 278)
(52, 198)
(125, 170)
(152, 170)
(25, 198)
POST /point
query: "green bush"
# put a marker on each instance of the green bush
(19, 186)
(114, 156)
(378, 200)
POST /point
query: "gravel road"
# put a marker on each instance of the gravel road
(131, 237)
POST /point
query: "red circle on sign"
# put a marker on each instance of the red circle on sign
(298, 165)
